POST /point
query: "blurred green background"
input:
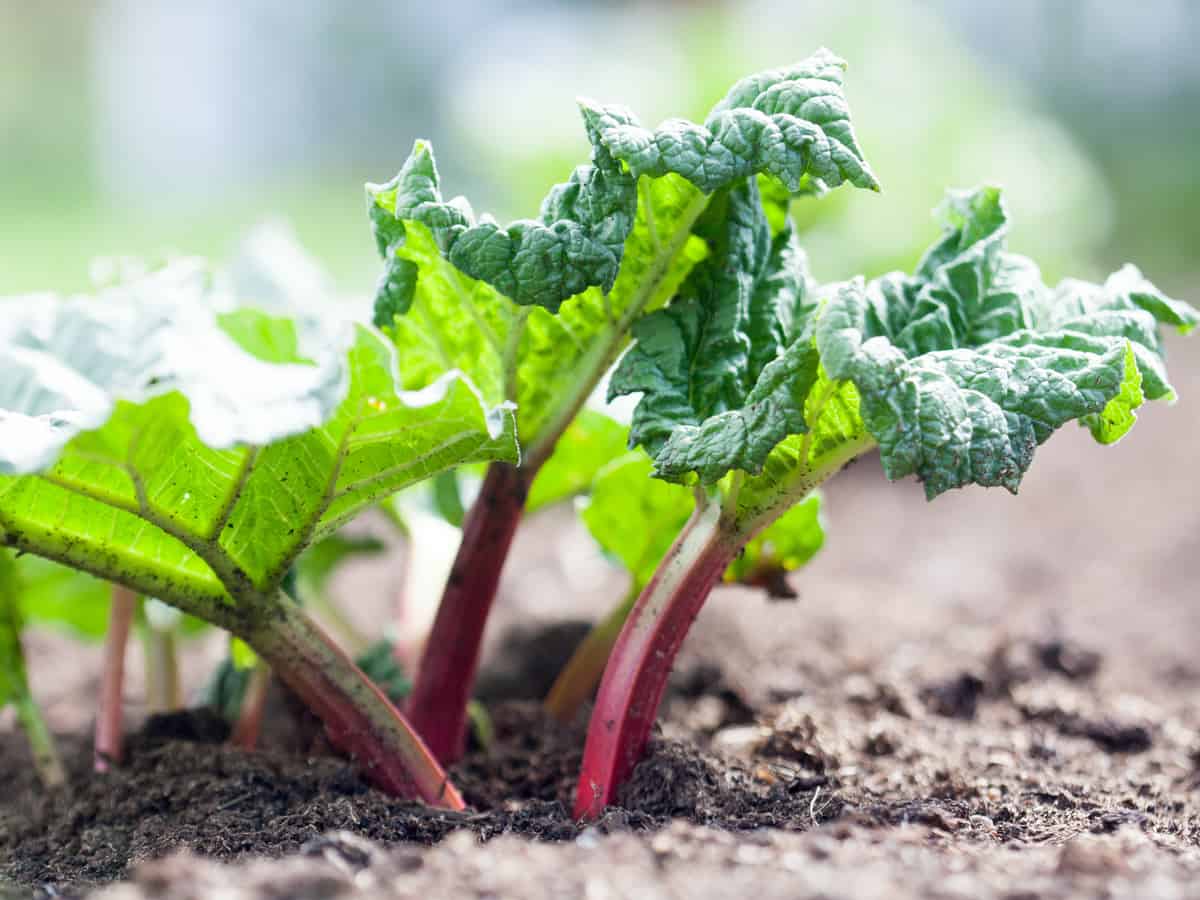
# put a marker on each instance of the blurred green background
(135, 127)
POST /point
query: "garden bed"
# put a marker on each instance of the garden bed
(959, 704)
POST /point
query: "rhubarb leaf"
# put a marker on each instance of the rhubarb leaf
(724, 370)
(633, 517)
(575, 243)
(146, 441)
(55, 595)
(965, 367)
(591, 442)
(546, 364)
(791, 123)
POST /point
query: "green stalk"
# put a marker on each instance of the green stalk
(358, 717)
(14, 678)
(577, 681)
(41, 742)
(160, 650)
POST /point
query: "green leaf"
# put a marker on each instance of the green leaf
(784, 546)
(264, 337)
(592, 441)
(242, 655)
(964, 368)
(318, 563)
(634, 517)
(142, 443)
(546, 364)
(724, 370)
(536, 313)
(52, 594)
(380, 663)
(791, 123)
(574, 244)
(1119, 414)
(447, 498)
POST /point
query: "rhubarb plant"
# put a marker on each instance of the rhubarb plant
(757, 386)
(163, 439)
(538, 311)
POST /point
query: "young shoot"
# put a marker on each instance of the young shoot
(538, 311)
(757, 387)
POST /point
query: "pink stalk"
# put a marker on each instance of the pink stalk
(437, 707)
(636, 675)
(109, 731)
(249, 721)
(358, 718)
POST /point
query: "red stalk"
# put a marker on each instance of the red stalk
(109, 732)
(358, 717)
(437, 707)
(249, 721)
(636, 675)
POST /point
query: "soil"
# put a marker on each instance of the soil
(983, 697)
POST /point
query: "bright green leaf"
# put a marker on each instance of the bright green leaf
(592, 441)
(634, 517)
(724, 370)
(784, 546)
(964, 368)
(160, 453)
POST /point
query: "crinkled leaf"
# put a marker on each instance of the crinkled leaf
(1118, 416)
(162, 451)
(965, 367)
(546, 363)
(592, 441)
(613, 243)
(577, 346)
(724, 370)
(574, 244)
(792, 123)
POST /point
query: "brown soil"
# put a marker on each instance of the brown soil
(983, 697)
